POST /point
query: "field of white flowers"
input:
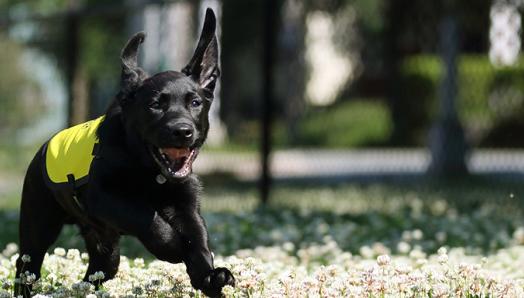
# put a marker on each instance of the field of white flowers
(273, 272)
(327, 242)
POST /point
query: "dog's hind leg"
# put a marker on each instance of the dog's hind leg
(104, 254)
(41, 220)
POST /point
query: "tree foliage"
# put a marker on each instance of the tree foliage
(20, 96)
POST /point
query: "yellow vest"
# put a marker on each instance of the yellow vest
(70, 152)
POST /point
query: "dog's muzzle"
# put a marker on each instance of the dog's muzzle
(175, 163)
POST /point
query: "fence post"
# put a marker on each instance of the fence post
(71, 59)
(270, 12)
(393, 56)
(76, 76)
(447, 142)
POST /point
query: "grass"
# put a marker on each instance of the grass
(479, 215)
(367, 240)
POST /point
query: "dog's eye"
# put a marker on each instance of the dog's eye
(195, 103)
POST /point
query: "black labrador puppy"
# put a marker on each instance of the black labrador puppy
(129, 172)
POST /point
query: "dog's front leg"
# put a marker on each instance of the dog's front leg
(170, 236)
(198, 258)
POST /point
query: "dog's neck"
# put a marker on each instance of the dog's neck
(137, 148)
(115, 134)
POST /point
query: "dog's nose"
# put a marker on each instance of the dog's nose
(183, 131)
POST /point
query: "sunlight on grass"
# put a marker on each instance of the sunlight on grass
(375, 240)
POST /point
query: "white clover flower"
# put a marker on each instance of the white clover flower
(421, 262)
(228, 291)
(476, 288)
(6, 284)
(137, 291)
(518, 235)
(403, 269)
(417, 234)
(403, 247)
(138, 262)
(440, 290)
(288, 246)
(52, 277)
(407, 236)
(10, 249)
(12, 260)
(27, 278)
(26, 258)
(441, 236)
(380, 249)
(59, 251)
(366, 252)
(73, 254)
(416, 253)
(82, 287)
(323, 270)
(99, 275)
(92, 278)
(484, 260)
(102, 294)
(383, 260)
(442, 259)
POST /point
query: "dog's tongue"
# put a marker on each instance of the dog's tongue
(176, 153)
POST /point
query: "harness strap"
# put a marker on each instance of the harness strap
(96, 150)
(71, 181)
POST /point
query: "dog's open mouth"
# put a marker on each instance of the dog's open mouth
(175, 162)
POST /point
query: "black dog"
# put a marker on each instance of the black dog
(137, 178)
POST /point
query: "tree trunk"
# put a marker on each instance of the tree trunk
(80, 97)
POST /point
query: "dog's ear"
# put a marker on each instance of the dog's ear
(203, 67)
(132, 75)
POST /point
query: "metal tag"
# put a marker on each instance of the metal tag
(160, 179)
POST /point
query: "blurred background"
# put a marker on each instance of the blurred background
(337, 105)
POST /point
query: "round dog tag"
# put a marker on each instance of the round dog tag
(160, 179)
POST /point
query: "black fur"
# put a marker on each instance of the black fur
(168, 109)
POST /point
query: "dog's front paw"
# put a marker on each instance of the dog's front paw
(217, 278)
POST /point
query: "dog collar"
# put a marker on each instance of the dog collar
(160, 179)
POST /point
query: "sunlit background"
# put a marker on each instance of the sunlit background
(384, 114)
